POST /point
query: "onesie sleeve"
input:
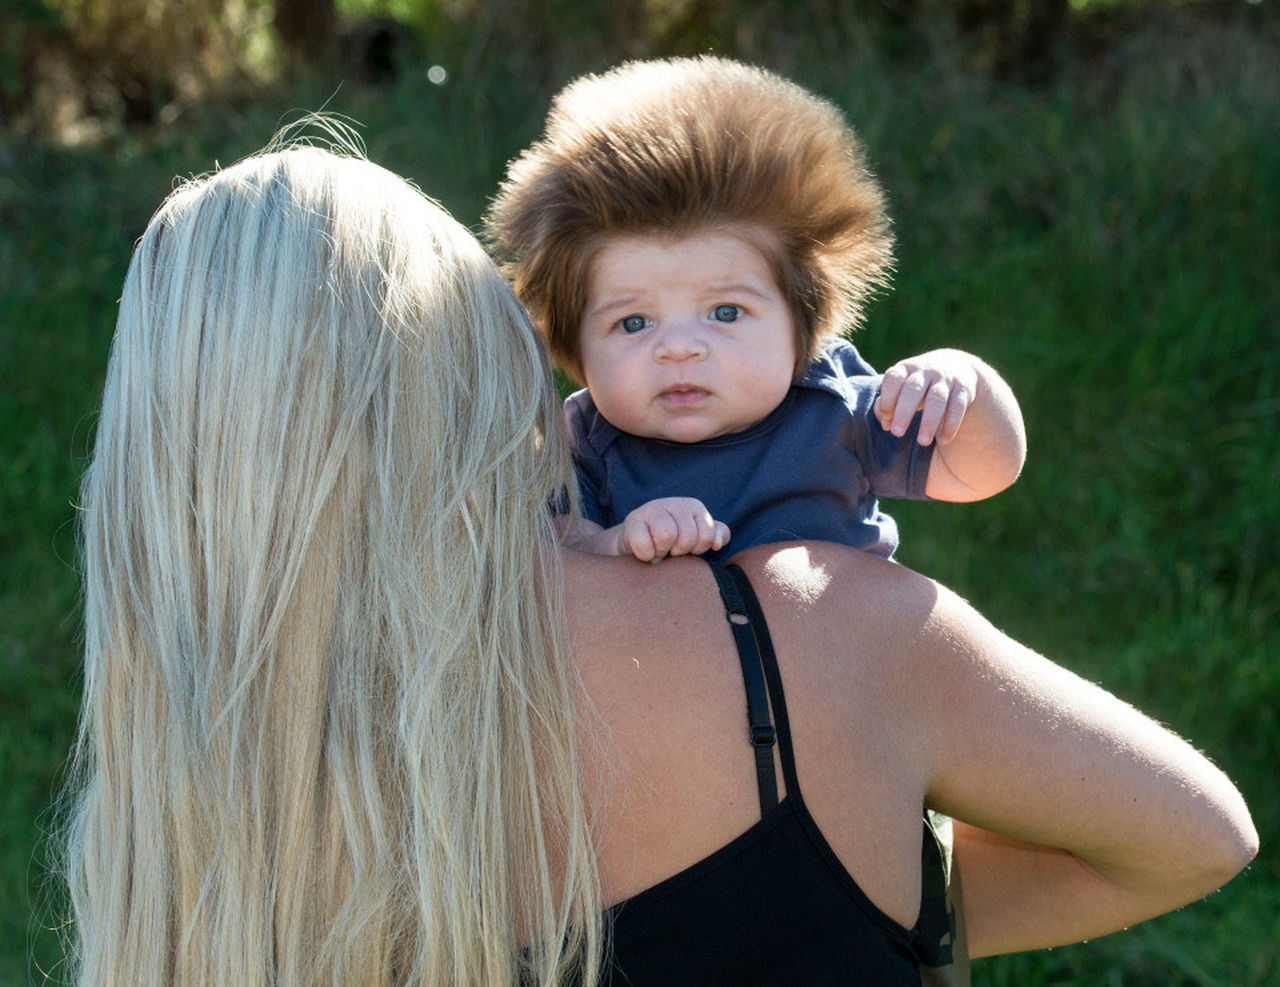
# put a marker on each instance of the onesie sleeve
(851, 363)
(891, 466)
(895, 467)
(588, 465)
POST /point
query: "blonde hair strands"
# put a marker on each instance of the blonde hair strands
(329, 712)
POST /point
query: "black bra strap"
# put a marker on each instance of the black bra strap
(769, 660)
(935, 933)
(762, 735)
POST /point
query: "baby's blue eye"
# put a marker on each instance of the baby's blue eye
(726, 313)
(632, 323)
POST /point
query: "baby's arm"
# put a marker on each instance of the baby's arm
(654, 530)
(971, 412)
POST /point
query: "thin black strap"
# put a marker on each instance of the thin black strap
(934, 936)
(770, 662)
(762, 735)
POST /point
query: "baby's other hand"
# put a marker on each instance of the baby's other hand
(672, 526)
(940, 384)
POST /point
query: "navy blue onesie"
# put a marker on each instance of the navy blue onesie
(814, 468)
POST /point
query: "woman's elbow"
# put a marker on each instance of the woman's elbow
(1224, 848)
(1237, 847)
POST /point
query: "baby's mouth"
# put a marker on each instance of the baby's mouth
(684, 394)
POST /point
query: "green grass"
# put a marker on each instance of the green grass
(1108, 241)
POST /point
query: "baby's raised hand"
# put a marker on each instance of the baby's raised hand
(672, 526)
(940, 384)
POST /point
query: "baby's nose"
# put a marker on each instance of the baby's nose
(680, 341)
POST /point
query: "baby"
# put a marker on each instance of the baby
(691, 235)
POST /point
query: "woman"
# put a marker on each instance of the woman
(351, 716)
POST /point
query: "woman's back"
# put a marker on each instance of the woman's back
(899, 695)
(716, 882)
(672, 771)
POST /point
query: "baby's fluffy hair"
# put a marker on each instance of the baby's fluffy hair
(678, 145)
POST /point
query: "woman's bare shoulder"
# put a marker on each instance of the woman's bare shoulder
(656, 616)
(625, 595)
(831, 598)
(839, 617)
(807, 572)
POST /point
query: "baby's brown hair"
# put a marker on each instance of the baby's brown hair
(674, 146)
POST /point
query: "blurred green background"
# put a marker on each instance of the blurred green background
(1085, 193)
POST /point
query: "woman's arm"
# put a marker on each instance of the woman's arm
(1093, 817)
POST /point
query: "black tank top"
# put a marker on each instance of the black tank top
(775, 905)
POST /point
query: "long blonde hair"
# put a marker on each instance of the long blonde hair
(329, 712)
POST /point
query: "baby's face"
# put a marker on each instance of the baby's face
(686, 338)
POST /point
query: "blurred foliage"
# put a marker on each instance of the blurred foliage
(72, 67)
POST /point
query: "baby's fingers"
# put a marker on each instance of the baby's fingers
(638, 540)
(957, 406)
(890, 389)
(698, 533)
(933, 411)
(680, 535)
(672, 526)
(910, 400)
(653, 535)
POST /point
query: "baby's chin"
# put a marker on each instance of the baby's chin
(684, 429)
(689, 431)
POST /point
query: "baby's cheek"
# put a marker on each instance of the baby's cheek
(622, 408)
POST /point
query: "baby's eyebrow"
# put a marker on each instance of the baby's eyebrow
(737, 286)
(614, 302)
